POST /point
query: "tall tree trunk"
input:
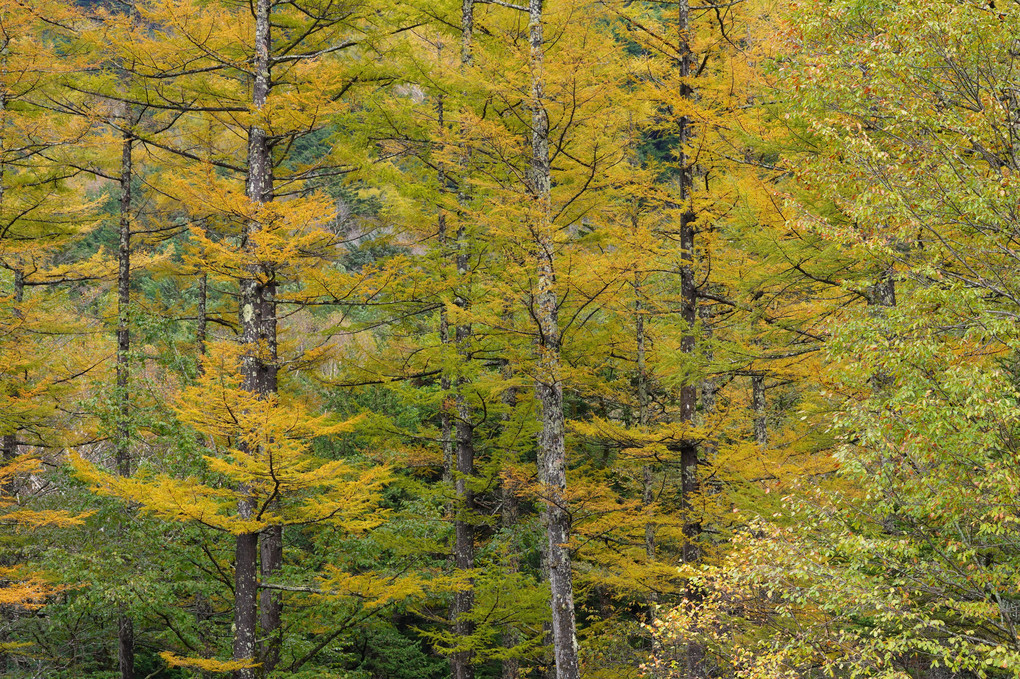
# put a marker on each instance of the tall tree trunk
(709, 384)
(641, 377)
(126, 646)
(688, 287)
(9, 442)
(464, 530)
(761, 431)
(450, 447)
(257, 313)
(124, 310)
(202, 328)
(548, 380)
(509, 517)
(125, 626)
(464, 547)
(647, 471)
(445, 418)
(245, 593)
(689, 449)
(270, 603)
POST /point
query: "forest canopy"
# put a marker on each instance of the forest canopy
(541, 339)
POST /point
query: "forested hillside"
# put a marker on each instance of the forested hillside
(480, 339)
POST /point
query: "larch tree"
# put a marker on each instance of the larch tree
(37, 215)
(280, 79)
(42, 217)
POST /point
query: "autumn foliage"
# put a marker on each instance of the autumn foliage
(533, 338)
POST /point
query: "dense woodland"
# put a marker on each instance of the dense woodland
(611, 339)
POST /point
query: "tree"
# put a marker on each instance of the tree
(259, 455)
(907, 163)
(271, 219)
(20, 586)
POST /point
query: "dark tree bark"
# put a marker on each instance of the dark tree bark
(688, 285)
(881, 296)
(245, 594)
(125, 626)
(270, 603)
(883, 293)
(257, 312)
(124, 309)
(126, 647)
(689, 449)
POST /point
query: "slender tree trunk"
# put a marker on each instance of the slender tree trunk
(467, 28)
(203, 314)
(9, 442)
(548, 382)
(641, 379)
(509, 517)
(647, 471)
(709, 385)
(464, 548)
(124, 310)
(202, 607)
(258, 337)
(464, 530)
(689, 448)
(688, 286)
(445, 420)
(761, 431)
(451, 462)
(125, 626)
